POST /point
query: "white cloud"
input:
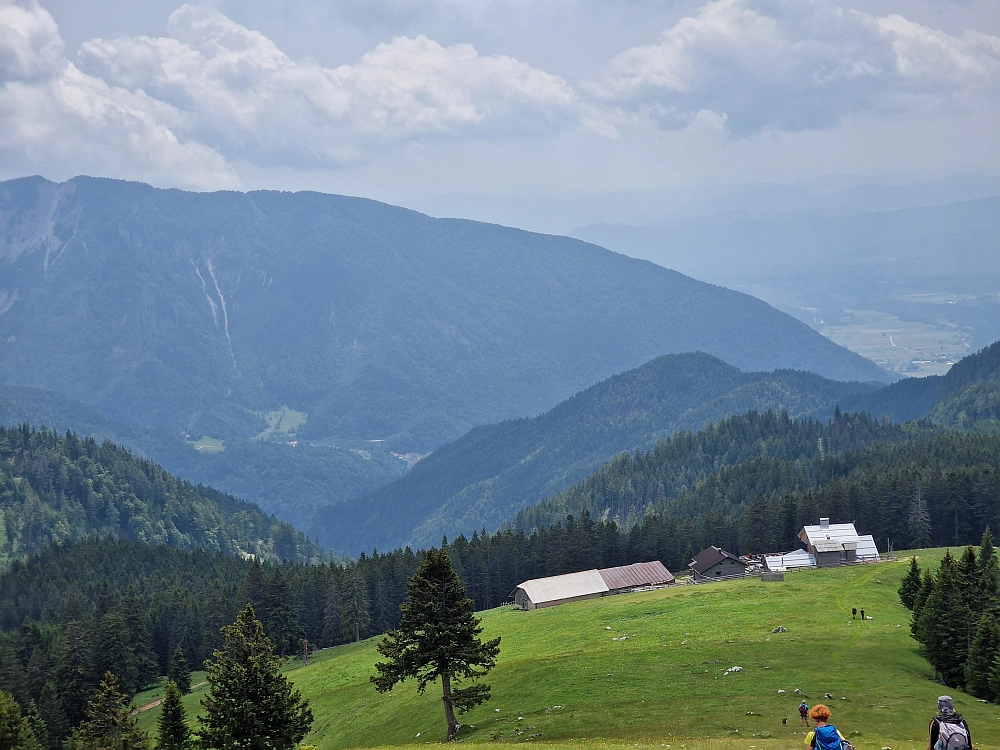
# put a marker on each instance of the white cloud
(243, 95)
(796, 65)
(52, 113)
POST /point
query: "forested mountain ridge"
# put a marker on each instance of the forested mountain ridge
(283, 476)
(202, 311)
(631, 485)
(60, 487)
(488, 475)
(967, 385)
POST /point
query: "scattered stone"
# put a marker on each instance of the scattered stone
(733, 669)
(827, 695)
(752, 713)
(780, 691)
(780, 629)
(608, 627)
(418, 734)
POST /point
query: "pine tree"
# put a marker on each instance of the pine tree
(942, 631)
(355, 616)
(282, 615)
(910, 585)
(50, 707)
(108, 724)
(114, 653)
(926, 588)
(756, 527)
(172, 724)
(180, 671)
(250, 703)
(919, 523)
(438, 637)
(38, 725)
(982, 655)
(331, 614)
(988, 575)
(15, 730)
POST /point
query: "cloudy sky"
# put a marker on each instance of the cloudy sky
(403, 100)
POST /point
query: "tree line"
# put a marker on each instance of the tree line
(956, 618)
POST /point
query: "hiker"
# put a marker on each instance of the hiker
(825, 736)
(854, 613)
(948, 730)
(803, 714)
(862, 613)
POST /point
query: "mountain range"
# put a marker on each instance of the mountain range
(203, 312)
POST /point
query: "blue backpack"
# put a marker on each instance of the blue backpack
(827, 738)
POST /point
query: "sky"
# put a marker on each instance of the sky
(407, 101)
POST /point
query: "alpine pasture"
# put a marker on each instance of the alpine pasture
(567, 677)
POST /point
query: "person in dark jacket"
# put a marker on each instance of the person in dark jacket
(947, 715)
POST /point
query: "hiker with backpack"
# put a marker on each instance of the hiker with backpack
(825, 736)
(948, 730)
(803, 714)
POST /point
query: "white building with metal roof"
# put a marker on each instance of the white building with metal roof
(789, 561)
(837, 543)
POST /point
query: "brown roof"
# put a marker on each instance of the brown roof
(710, 557)
(637, 574)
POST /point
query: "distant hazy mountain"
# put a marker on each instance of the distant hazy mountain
(933, 264)
(203, 311)
(485, 477)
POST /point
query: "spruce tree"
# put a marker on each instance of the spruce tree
(282, 615)
(50, 707)
(15, 730)
(755, 531)
(988, 575)
(942, 631)
(355, 616)
(982, 655)
(180, 671)
(919, 523)
(331, 613)
(926, 588)
(108, 724)
(250, 703)
(438, 637)
(172, 724)
(910, 585)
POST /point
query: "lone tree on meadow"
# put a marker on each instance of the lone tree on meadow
(438, 637)
(250, 704)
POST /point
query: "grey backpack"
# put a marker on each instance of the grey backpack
(951, 736)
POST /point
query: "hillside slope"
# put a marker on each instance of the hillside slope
(562, 679)
(60, 487)
(485, 477)
(201, 311)
(282, 475)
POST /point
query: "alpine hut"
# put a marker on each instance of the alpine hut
(834, 544)
(713, 562)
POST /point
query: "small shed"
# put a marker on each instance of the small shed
(713, 562)
(571, 587)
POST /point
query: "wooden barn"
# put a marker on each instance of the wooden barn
(713, 562)
(590, 584)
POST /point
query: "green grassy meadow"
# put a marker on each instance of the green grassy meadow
(562, 680)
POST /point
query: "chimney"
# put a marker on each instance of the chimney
(824, 523)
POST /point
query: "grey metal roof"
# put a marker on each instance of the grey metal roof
(867, 549)
(789, 560)
(841, 532)
(828, 545)
(638, 574)
(568, 586)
